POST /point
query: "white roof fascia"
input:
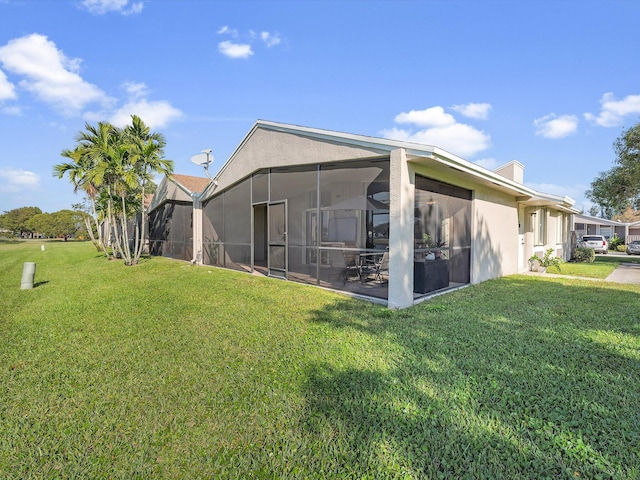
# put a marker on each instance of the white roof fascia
(564, 204)
(413, 149)
(601, 221)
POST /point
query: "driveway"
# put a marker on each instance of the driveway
(626, 273)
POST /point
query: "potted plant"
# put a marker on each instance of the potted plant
(429, 242)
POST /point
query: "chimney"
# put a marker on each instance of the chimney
(513, 170)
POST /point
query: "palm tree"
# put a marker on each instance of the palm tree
(110, 163)
(78, 170)
(147, 152)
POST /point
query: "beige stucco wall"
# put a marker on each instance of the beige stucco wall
(267, 148)
(561, 246)
(167, 190)
(495, 235)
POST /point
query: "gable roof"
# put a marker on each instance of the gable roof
(179, 188)
(190, 183)
(363, 146)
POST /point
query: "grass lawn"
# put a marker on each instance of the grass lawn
(601, 268)
(166, 370)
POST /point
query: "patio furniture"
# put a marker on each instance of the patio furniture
(382, 268)
(341, 266)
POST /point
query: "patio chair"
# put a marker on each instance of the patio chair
(382, 268)
(341, 266)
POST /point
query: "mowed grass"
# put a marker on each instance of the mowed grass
(166, 370)
(601, 268)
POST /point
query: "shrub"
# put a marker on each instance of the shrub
(615, 242)
(584, 255)
(546, 261)
(622, 248)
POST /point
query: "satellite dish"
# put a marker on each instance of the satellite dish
(203, 159)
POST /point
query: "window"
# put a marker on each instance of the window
(539, 226)
(560, 228)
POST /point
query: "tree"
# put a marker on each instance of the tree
(628, 216)
(78, 171)
(619, 188)
(16, 220)
(146, 157)
(60, 224)
(114, 167)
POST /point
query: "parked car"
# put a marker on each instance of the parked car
(633, 248)
(597, 242)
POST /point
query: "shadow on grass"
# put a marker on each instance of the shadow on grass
(545, 383)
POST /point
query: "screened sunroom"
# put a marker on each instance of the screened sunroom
(390, 220)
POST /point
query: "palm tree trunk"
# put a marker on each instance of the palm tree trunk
(101, 244)
(125, 234)
(140, 234)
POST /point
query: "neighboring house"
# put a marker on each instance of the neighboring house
(310, 205)
(171, 217)
(587, 225)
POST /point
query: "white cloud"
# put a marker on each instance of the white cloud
(16, 179)
(7, 89)
(270, 39)
(554, 126)
(479, 111)
(429, 117)
(235, 50)
(439, 129)
(100, 7)
(613, 112)
(156, 114)
(49, 74)
(244, 48)
(135, 89)
(229, 31)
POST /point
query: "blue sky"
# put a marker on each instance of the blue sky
(551, 84)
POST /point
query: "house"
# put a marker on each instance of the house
(588, 225)
(312, 206)
(171, 216)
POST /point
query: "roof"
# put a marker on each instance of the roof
(417, 153)
(190, 183)
(582, 218)
(541, 199)
(178, 188)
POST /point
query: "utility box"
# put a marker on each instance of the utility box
(28, 275)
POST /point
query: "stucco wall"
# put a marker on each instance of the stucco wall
(495, 234)
(267, 148)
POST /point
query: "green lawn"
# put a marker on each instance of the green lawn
(601, 268)
(166, 370)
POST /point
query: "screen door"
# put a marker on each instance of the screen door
(277, 220)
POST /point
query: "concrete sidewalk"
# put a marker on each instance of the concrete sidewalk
(626, 273)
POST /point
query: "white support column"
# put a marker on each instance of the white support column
(402, 193)
(197, 230)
